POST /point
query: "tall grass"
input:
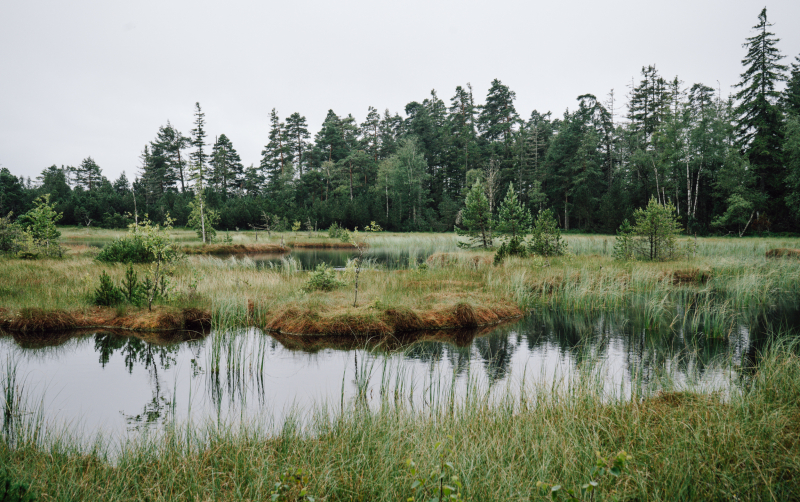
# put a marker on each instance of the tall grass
(744, 445)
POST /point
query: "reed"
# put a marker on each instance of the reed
(684, 445)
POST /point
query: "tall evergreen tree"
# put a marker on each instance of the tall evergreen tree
(276, 154)
(198, 156)
(791, 95)
(760, 118)
(297, 140)
(88, 175)
(498, 115)
(226, 172)
(171, 143)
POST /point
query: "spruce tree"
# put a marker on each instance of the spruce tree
(498, 115)
(198, 156)
(226, 171)
(760, 118)
(791, 95)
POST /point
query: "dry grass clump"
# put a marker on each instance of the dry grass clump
(34, 320)
(235, 249)
(686, 276)
(462, 258)
(783, 253)
(329, 244)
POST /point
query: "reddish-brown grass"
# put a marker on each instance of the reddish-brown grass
(327, 245)
(37, 320)
(236, 249)
(783, 253)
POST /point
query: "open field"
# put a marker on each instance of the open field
(744, 445)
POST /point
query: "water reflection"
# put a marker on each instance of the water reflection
(118, 381)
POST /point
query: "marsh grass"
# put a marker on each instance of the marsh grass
(725, 278)
(742, 445)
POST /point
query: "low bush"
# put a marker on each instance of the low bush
(128, 249)
(514, 247)
(546, 236)
(323, 279)
(107, 294)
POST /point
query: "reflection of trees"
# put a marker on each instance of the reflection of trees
(153, 358)
(496, 350)
(134, 350)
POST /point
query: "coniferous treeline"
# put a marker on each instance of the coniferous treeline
(728, 164)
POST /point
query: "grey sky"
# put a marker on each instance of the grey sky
(97, 78)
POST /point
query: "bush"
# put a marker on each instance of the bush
(323, 279)
(10, 234)
(546, 236)
(652, 236)
(514, 247)
(337, 232)
(128, 249)
(108, 295)
(14, 491)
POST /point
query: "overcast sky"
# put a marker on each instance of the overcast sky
(97, 78)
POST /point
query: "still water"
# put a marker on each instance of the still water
(122, 384)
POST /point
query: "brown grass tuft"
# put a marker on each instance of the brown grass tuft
(235, 249)
(687, 276)
(783, 253)
(327, 245)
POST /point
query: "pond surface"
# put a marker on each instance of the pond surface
(118, 384)
(308, 259)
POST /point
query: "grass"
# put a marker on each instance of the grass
(743, 445)
(725, 280)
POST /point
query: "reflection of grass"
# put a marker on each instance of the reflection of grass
(684, 445)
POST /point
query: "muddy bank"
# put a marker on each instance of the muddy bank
(460, 337)
(390, 321)
(33, 320)
(235, 249)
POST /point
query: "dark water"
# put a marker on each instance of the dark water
(308, 259)
(116, 383)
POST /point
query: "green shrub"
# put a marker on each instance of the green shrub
(335, 231)
(514, 247)
(322, 279)
(14, 491)
(128, 249)
(10, 233)
(107, 294)
(546, 236)
(623, 245)
(652, 236)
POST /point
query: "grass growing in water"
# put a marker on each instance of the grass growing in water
(684, 446)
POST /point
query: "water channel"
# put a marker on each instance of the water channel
(124, 384)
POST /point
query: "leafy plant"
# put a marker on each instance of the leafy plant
(107, 294)
(546, 236)
(292, 486)
(439, 485)
(39, 224)
(10, 234)
(602, 475)
(335, 231)
(323, 279)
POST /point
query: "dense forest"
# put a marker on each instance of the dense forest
(729, 164)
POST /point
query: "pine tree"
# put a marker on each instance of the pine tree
(297, 139)
(513, 218)
(498, 115)
(88, 175)
(198, 156)
(276, 154)
(760, 118)
(226, 171)
(476, 218)
(370, 133)
(170, 142)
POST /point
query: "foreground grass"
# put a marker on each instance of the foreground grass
(684, 446)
